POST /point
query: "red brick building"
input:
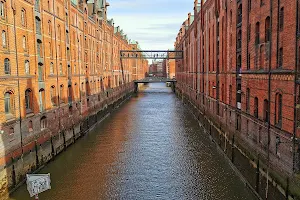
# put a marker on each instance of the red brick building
(60, 64)
(241, 68)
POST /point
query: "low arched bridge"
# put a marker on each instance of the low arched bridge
(155, 80)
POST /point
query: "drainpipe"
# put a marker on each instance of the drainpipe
(269, 95)
(18, 78)
(295, 87)
(57, 85)
(79, 66)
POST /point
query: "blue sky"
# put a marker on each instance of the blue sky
(153, 23)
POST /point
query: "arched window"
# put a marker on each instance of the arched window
(266, 110)
(39, 48)
(257, 33)
(59, 32)
(53, 95)
(30, 126)
(43, 123)
(60, 69)
(87, 85)
(248, 100)
(7, 66)
(281, 19)
(42, 99)
(262, 58)
(278, 110)
(61, 94)
(256, 107)
(49, 28)
(4, 39)
(51, 68)
(70, 93)
(76, 91)
(38, 25)
(240, 14)
(50, 50)
(230, 95)
(239, 64)
(2, 9)
(28, 101)
(8, 102)
(280, 58)
(23, 17)
(27, 67)
(24, 43)
(239, 40)
(267, 30)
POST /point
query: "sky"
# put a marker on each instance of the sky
(153, 23)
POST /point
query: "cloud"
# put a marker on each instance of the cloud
(154, 24)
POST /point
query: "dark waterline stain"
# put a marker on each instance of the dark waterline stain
(151, 148)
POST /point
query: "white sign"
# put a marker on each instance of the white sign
(38, 183)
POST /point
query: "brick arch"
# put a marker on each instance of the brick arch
(10, 90)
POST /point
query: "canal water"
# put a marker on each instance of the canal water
(150, 148)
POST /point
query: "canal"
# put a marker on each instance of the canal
(150, 148)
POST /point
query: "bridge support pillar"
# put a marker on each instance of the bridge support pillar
(136, 87)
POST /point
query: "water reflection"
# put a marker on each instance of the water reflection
(151, 148)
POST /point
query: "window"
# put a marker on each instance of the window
(7, 66)
(2, 9)
(230, 95)
(58, 51)
(23, 17)
(40, 48)
(60, 69)
(280, 58)
(267, 30)
(38, 25)
(43, 123)
(51, 68)
(8, 102)
(61, 94)
(42, 100)
(249, 32)
(262, 2)
(247, 100)
(27, 67)
(239, 64)
(239, 40)
(28, 99)
(59, 32)
(281, 19)
(53, 95)
(4, 39)
(278, 110)
(249, 61)
(256, 107)
(24, 43)
(240, 14)
(266, 110)
(30, 126)
(50, 50)
(257, 32)
(49, 28)
(249, 5)
(70, 93)
(262, 58)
